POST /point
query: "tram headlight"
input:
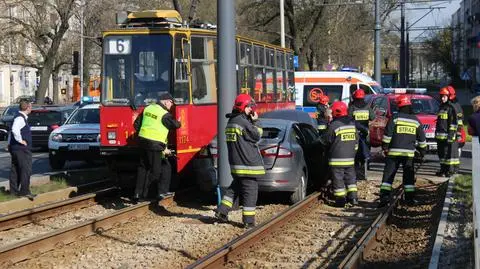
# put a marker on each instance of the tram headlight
(111, 135)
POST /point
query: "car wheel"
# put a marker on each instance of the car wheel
(301, 191)
(56, 162)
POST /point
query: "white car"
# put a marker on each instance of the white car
(77, 139)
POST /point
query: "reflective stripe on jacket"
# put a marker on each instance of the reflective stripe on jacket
(401, 135)
(341, 138)
(243, 153)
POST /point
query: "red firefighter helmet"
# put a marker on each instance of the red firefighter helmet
(242, 101)
(339, 109)
(403, 100)
(444, 91)
(452, 92)
(324, 99)
(359, 94)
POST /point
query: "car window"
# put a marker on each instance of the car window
(272, 133)
(309, 133)
(311, 93)
(45, 118)
(366, 88)
(84, 116)
(425, 106)
(11, 111)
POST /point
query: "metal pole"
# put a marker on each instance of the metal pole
(402, 45)
(378, 42)
(81, 49)
(226, 82)
(282, 23)
(10, 81)
(407, 58)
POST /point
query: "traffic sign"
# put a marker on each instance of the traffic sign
(466, 76)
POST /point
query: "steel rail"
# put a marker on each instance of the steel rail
(30, 215)
(219, 257)
(31, 248)
(354, 258)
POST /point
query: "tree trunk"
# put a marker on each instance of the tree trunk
(55, 86)
(177, 6)
(193, 10)
(48, 65)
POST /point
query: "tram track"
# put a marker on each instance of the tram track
(12, 253)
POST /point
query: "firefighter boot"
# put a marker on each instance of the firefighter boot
(339, 201)
(352, 198)
(409, 199)
(221, 217)
(442, 171)
(384, 199)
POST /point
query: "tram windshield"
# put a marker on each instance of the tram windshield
(136, 68)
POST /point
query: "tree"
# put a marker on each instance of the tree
(438, 50)
(42, 23)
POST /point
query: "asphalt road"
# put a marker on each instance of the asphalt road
(39, 163)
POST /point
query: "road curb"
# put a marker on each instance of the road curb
(43, 198)
(437, 245)
(40, 179)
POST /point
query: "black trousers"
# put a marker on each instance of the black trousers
(362, 156)
(247, 189)
(20, 172)
(391, 167)
(448, 155)
(344, 183)
(154, 167)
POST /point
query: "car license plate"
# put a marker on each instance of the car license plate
(38, 128)
(429, 135)
(78, 147)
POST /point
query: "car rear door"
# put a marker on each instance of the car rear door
(311, 149)
(379, 106)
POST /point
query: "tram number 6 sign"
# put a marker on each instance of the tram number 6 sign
(118, 45)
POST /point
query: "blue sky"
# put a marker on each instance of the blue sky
(438, 17)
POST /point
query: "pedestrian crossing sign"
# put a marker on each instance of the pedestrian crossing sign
(466, 76)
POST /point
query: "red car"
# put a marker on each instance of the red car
(384, 107)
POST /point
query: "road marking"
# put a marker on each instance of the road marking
(34, 155)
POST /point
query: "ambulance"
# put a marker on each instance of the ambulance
(337, 85)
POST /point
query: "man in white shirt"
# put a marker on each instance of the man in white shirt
(20, 148)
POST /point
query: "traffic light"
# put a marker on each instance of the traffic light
(75, 63)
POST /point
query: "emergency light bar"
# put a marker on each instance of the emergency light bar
(90, 99)
(405, 90)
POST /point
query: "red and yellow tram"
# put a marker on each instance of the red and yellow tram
(154, 52)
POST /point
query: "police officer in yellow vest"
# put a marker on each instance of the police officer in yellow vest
(156, 122)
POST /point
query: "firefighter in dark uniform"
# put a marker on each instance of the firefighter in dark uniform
(156, 121)
(459, 112)
(402, 135)
(361, 112)
(323, 114)
(445, 134)
(246, 163)
(341, 141)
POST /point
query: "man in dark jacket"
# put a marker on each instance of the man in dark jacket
(361, 112)
(156, 122)
(446, 135)
(20, 147)
(402, 133)
(246, 163)
(341, 141)
(474, 119)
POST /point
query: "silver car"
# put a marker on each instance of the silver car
(289, 155)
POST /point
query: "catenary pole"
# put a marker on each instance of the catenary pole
(81, 48)
(227, 86)
(378, 42)
(402, 45)
(282, 23)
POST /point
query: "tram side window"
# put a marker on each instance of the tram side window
(291, 78)
(280, 76)
(204, 80)
(270, 75)
(181, 89)
(259, 76)
(245, 70)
